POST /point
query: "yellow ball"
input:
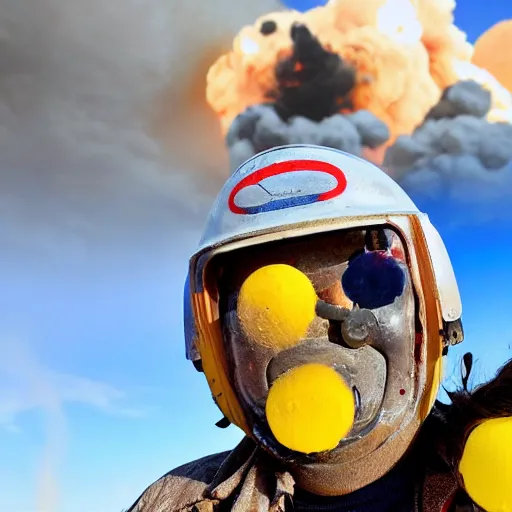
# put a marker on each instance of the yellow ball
(310, 409)
(276, 306)
(486, 465)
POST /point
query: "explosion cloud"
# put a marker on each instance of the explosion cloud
(312, 82)
(404, 55)
(260, 128)
(455, 145)
(390, 80)
(498, 63)
(312, 86)
(463, 98)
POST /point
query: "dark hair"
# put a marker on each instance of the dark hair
(469, 408)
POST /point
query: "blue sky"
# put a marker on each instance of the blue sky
(95, 389)
(473, 17)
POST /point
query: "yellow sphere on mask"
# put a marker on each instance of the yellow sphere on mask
(486, 465)
(276, 305)
(310, 408)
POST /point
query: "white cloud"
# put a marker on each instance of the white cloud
(19, 395)
(27, 385)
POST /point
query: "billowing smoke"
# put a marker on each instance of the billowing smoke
(260, 128)
(456, 149)
(403, 54)
(464, 98)
(101, 115)
(313, 82)
(313, 86)
(81, 89)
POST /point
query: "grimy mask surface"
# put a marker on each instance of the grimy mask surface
(320, 337)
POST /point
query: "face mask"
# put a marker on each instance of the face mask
(320, 337)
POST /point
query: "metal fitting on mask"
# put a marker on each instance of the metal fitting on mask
(357, 325)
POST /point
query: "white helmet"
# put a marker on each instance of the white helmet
(292, 192)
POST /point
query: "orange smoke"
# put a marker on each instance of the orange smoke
(492, 52)
(244, 76)
(405, 53)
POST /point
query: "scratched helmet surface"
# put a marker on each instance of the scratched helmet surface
(296, 184)
(318, 305)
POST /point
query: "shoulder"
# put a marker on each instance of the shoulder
(181, 488)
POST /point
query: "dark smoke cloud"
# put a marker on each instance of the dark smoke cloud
(313, 85)
(456, 153)
(260, 128)
(464, 98)
(313, 82)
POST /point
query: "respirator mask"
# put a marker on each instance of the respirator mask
(320, 337)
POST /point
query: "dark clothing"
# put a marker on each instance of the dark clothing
(394, 492)
(249, 480)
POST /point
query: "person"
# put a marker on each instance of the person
(319, 306)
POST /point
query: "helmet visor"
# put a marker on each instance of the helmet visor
(343, 300)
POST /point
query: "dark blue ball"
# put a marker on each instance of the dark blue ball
(373, 280)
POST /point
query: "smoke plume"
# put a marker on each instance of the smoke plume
(260, 128)
(464, 98)
(389, 80)
(456, 151)
(403, 54)
(312, 82)
(22, 368)
(92, 165)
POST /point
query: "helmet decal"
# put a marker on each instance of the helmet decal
(307, 194)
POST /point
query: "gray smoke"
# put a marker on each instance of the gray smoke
(83, 185)
(260, 128)
(80, 83)
(464, 98)
(456, 152)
